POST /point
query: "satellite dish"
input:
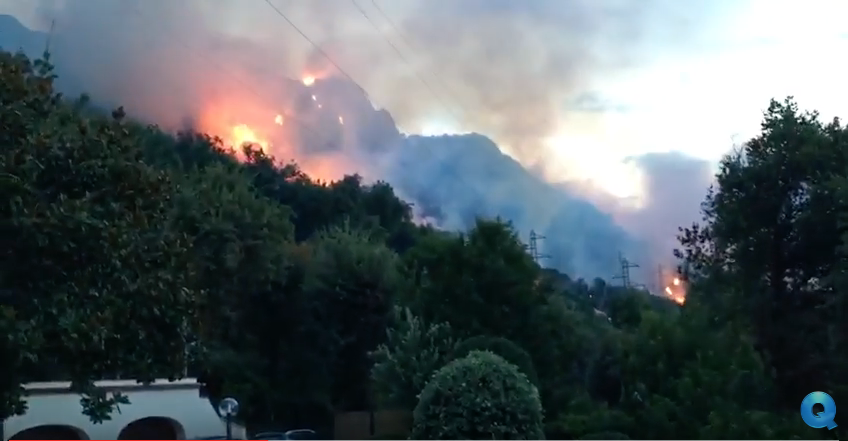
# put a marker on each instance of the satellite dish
(228, 407)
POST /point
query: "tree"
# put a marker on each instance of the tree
(510, 352)
(255, 315)
(355, 279)
(94, 281)
(412, 353)
(482, 283)
(130, 251)
(770, 241)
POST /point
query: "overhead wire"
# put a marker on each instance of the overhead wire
(314, 45)
(405, 60)
(317, 47)
(435, 74)
(413, 47)
(222, 68)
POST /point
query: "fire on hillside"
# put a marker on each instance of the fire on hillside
(676, 291)
(276, 130)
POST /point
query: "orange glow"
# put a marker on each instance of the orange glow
(242, 134)
(265, 121)
(341, 120)
(316, 73)
(674, 289)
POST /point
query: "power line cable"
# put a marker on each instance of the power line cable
(411, 46)
(222, 68)
(460, 178)
(404, 59)
(315, 45)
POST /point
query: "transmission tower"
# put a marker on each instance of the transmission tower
(534, 247)
(626, 265)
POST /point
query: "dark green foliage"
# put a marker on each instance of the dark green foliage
(354, 278)
(130, 251)
(510, 352)
(481, 282)
(89, 260)
(480, 396)
(413, 351)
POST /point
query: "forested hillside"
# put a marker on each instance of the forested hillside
(123, 245)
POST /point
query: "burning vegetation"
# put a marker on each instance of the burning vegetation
(676, 291)
(277, 129)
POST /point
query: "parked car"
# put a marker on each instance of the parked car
(269, 435)
(303, 434)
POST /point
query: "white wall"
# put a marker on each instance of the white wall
(51, 404)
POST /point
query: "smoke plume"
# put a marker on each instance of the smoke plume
(519, 72)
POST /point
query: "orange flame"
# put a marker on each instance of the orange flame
(240, 119)
(315, 73)
(676, 291)
(242, 134)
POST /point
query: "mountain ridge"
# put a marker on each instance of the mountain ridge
(450, 179)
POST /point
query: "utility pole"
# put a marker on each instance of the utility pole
(534, 247)
(626, 265)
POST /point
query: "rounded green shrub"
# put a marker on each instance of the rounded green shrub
(481, 396)
(507, 349)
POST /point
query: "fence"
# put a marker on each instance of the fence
(382, 424)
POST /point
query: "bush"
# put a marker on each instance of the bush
(480, 396)
(510, 352)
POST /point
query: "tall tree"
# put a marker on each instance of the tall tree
(482, 283)
(356, 280)
(770, 239)
(94, 281)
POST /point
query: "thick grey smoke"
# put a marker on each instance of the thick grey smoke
(515, 71)
(505, 68)
(675, 186)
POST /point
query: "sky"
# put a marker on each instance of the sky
(629, 103)
(572, 88)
